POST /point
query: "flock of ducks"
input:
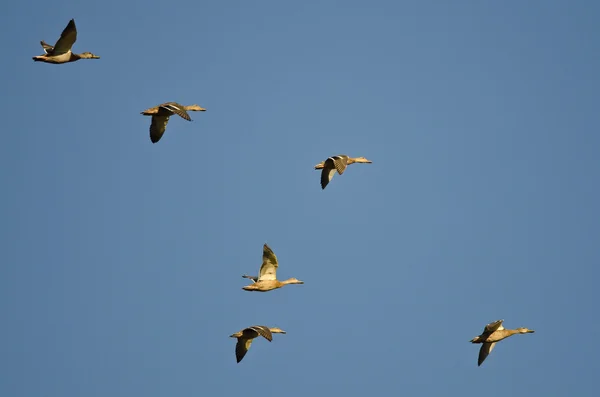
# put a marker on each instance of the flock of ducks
(267, 278)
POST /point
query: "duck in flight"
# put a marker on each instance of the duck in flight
(336, 163)
(493, 333)
(267, 277)
(161, 113)
(61, 51)
(245, 337)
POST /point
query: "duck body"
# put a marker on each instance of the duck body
(63, 58)
(56, 59)
(264, 285)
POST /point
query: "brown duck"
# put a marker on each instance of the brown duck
(161, 113)
(61, 51)
(267, 278)
(336, 163)
(245, 337)
(493, 333)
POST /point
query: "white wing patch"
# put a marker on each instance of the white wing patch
(268, 272)
(331, 174)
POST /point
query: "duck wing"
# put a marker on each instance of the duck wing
(332, 164)
(486, 349)
(268, 269)
(67, 39)
(158, 127)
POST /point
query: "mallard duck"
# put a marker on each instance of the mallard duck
(492, 333)
(245, 336)
(267, 278)
(160, 117)
(61, 51)
(336, 163)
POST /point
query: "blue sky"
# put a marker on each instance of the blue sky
(122, 259)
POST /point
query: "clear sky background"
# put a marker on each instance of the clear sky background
(122, 260)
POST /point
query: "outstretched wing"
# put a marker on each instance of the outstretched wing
(248, 334)
(332, 164)
(241, 348)
(261, 330)
(341, 162)
(158, 127)
(492, 327)
(486, 349)
(268, 269)
(176, 108)
(67, 39)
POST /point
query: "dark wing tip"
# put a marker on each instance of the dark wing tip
(240, 350)
(483, 353)
(324, 178)
(155, 137)
(267, 251)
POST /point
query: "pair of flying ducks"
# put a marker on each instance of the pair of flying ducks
(161, 113)
(492, 334)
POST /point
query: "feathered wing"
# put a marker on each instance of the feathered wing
(340, 162)
(248, 334)
(158, 127)
(486, 349)
(492, 327)
(326, 175)
(241, 348)
(268, 269)
(333, 164)
(263, 331)
(177, 109)
(67, 39)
